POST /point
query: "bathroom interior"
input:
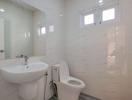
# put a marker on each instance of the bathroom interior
(49, 50)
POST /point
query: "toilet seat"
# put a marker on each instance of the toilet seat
(73, 82)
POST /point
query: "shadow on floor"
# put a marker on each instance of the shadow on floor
(82, 97)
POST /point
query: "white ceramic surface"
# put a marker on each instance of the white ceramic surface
(24, 73)
(69, 87)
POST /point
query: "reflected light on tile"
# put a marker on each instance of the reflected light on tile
(39, 32)
(2, 10)
(29, 34)
(51, 28)
(25, 35)
(100, 1)
(111, 50)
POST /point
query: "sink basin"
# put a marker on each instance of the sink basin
(24, 73)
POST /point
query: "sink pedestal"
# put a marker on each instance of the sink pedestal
(33, 90)
(28, 91)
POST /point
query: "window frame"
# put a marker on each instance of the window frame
(98, 14)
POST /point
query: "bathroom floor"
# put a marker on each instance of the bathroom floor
(82, 97)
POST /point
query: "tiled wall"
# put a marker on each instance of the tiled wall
(126, 16)
(100, 55)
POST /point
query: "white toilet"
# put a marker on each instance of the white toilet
(69, 88)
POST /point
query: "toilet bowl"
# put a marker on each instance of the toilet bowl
(68, 87)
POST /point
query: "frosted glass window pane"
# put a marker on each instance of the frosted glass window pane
(108, 14)
(43, 30)
(89, 19)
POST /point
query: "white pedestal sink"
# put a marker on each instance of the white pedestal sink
(26, 76)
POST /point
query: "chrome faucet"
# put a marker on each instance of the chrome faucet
(25, 58)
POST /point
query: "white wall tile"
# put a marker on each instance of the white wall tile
(87, 50)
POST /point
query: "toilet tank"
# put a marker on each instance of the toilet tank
(60, 72)
(64, 71)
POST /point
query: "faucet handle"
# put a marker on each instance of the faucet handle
(26, 57)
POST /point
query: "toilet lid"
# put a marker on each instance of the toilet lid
(64, 71)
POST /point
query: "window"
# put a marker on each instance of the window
(43, 30)
(89, 19)
(97, 16)
(108, 14)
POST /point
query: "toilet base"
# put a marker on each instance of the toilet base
(66, 93)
